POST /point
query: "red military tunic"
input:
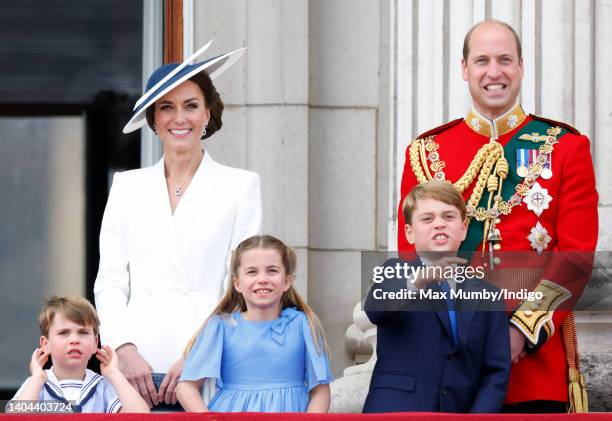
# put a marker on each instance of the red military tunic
(570, 221)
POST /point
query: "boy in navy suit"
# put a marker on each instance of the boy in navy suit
(439, 350)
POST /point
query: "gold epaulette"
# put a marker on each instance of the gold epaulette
(534, 318)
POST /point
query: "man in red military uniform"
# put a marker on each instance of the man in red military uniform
(529, 186)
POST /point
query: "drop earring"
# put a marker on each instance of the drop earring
(154, 128)
(204, 130)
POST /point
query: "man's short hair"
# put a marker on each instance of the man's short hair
(437, 190)
(466, 40)
(75, 309)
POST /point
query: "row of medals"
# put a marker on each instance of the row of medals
(538, 199)
(525, 157)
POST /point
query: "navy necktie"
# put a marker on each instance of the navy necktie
(452, 315)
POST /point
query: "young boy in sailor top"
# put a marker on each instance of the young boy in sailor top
(69, 328)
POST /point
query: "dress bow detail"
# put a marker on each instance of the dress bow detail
(279, 325)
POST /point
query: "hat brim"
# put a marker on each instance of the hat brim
(214, 67)
(190, 60)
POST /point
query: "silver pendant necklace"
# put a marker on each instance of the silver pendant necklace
(178, 191)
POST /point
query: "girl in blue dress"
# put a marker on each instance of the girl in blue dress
(263, 344)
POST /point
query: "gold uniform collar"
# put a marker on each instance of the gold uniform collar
(498, 127)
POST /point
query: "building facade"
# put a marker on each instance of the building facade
(332, 92)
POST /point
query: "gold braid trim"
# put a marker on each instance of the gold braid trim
(482, 165)
(494, 152)
(482, 156)
(578, 399)
(421, 169)
(424, 160)
(415, 160)
(533, 316)
(492, 169)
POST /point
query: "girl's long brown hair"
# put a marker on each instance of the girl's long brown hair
(234, 301)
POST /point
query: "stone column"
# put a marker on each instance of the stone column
(343, 97)
(265, 122)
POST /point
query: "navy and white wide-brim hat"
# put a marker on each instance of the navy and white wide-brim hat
(169, 76)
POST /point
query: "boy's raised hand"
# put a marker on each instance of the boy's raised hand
(427, 277)
(34, 385)
(130, 399)
(109, 363)
(39, 358)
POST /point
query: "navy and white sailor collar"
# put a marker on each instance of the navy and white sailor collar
(89, 384)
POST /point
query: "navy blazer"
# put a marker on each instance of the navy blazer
(418, 367)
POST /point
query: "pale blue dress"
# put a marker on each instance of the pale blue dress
(260, 366)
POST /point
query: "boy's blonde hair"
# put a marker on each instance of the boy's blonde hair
(437, 190)
(75, 309)
(234, 301)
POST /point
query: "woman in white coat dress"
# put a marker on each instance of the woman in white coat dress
(168, 229)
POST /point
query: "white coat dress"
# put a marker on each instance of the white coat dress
(161, 274)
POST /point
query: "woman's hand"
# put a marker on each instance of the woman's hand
(138, 372)
(167, 389)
